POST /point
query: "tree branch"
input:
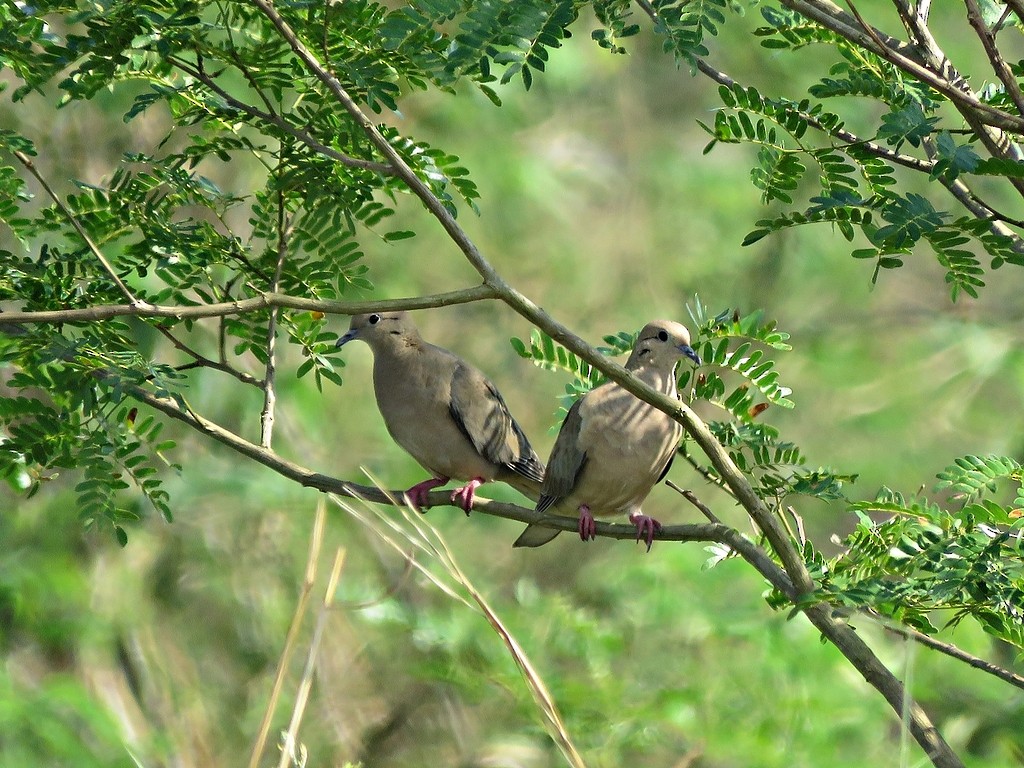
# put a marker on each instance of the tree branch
(999, 65)
(281, 123)
(244, 306)
(820, 614)
(902, 55)
(269, 394)
(841, 635)
(952, 651)
(30, 166)
(957, 187)
(200, 361)
(328, 484)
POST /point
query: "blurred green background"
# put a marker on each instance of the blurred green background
(598, 204)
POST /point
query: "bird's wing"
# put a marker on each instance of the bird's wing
(480, 413)
(566, 462)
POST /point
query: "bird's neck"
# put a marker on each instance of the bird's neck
(398, 348)
(657, 377)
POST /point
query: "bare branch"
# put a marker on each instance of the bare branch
(30, 166)
(924, 7)
(952, 651)
(691, 497)
(244, 306)
(269, 394)
(328, 484)
(999, 65)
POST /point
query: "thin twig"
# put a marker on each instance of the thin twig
(269, 393)
(244, 306)
(1018, 8)
(312, 560)
(288, 747)
(691, 497)
(30, 166)
(202, 361)
(281, 123)
(999, 65)
(951, 650)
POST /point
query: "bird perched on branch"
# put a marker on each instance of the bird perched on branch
(612, 447)
(444, 412)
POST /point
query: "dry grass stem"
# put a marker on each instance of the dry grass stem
(315, 544)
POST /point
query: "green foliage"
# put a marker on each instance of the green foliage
(686, 24)
(920, 564)
(856, 177)
(202, 86)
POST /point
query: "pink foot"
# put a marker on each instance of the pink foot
(417, 495)
(646, 527)
(464, 496)
(588, 528)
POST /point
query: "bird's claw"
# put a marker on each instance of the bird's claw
(464, 496)
(419, 493)
(646, 527)
(587, 526)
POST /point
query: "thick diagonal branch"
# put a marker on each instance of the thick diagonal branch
(841, 635)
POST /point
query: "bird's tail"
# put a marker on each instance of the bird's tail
(535, 536)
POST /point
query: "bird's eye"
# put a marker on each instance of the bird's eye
(662, 335)
(373, 319)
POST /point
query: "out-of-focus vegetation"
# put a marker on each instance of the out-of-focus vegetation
(595, 200)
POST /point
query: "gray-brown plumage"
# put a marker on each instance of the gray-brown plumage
(444, 412)
(612, 447)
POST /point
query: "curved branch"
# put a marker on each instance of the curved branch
(844, 638)
(999, 65)
(953, 652)
(244, 306)
(306, 477)
(904, 57)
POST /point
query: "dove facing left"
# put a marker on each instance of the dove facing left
(444, 412)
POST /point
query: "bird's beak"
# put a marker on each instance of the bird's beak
(346, 338)
(687, 350)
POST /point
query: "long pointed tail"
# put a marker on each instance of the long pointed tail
(535, 536)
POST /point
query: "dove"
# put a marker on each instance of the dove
(612, 447)
(444, 412)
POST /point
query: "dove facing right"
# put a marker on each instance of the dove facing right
(613, 447)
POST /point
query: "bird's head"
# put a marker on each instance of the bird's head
(380, 329)
(662, 343)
